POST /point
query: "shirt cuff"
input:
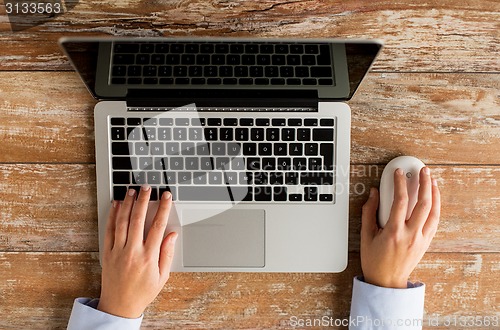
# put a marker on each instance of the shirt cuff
(85, 315)
(375, 307)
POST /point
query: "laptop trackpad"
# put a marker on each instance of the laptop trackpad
(233, 238)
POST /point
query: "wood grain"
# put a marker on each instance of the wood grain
(433, 93)
(440, 118)
(457, 284)
(426, 36)
(51, 207)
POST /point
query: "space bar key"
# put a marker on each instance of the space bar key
(211, 193)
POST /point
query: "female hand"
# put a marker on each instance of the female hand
(389, 255)
(133, 270)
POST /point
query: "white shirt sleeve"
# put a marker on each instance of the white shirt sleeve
(86, 316)
(374, 307)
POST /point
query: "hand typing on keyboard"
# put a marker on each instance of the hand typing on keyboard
(133, 270)
(389, 255)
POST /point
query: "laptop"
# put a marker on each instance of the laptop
(251, 137)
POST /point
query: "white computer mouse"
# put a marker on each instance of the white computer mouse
(411, 167)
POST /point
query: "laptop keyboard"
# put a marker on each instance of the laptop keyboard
(202, 159)
(212, 63)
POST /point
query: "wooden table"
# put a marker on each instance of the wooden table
(433, 93)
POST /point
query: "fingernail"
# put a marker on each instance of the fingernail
(167, 195)
(372, 192)
(399, 171)
(427, 171)
(131, 192)
(146, 187)
(434, 182)
(174, 238)
(114, 204)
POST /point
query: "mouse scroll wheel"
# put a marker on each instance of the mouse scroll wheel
(408, 175)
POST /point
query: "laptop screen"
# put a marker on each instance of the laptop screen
(114, 69)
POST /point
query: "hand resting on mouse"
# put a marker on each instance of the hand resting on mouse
(389, 255)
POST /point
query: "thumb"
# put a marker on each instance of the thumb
(369, 225)
(167, 255)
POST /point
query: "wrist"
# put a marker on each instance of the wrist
(128, 312)
(387, 283)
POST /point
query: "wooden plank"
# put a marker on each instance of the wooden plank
(50, 207)
(425, 36)
(440, 118)
(458, 284)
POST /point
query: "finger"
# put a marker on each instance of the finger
(432, 222)
(123, 218)
(167, 255)
(138, 216)
(399, 207)
(157, 230)
(109, 237)
(424, 203)
(369, 225)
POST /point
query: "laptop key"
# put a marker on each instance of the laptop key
(296, 49)
(321, 71)
(263, 194)
(119, 193)
(117, 133)
(284, 164)
(291, 178)
(142, 59)
(177, 48)
(303, 134)
(117, 121)
(248, 59)
(119, 70)
(257, 134)
(322, 134)
(310, 194)
(295, 197)
(301, 71)
(241, 134)
(126, 48)
(119, 148)
(325, 197)
(276, 178)
(230, 81)
(308, 60)
(288, 134)
(121, 177)
(324, 81)
(154, 178)
(326, 150)
(249, 149)
(280, 194)
(278, 60)
(214, 81)
(162, 48)
(158, 59)
(311, 49)
(151, 81)
(261, 81)
(324, 58)
(123, 59)
(147, 48)
(272, 134)
(207, 48)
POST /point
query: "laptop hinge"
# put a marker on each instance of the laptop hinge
(222, 98)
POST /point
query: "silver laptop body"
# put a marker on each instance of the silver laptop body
(251, 136)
